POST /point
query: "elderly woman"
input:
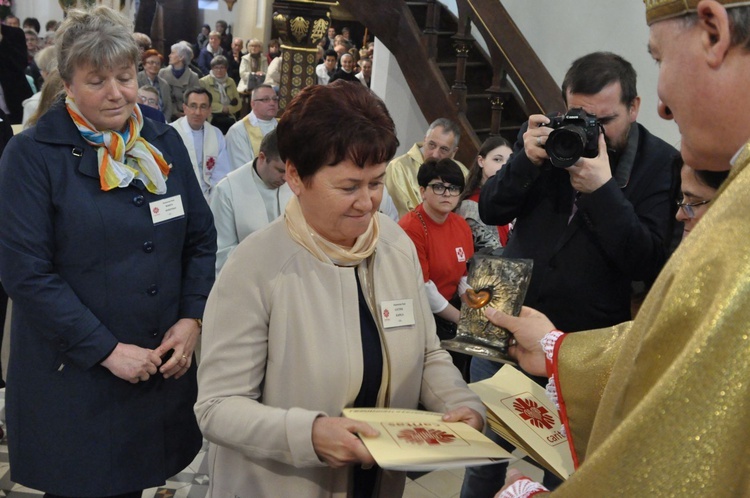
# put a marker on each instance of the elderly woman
(211, 50)
(152, 61)
(179, 76)
(253, 66)
(294, 330)
(225, 100)
(108, 254)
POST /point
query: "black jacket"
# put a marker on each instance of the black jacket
(583, 269)
(340, 74)
(13, 62)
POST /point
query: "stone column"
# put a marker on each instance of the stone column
(301, 25)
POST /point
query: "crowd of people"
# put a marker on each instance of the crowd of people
(145, 221)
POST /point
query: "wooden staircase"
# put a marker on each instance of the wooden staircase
(452, 76)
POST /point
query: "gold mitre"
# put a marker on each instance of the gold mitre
(658, 10)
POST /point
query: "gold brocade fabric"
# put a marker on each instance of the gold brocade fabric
(673, 418)
(588, 360)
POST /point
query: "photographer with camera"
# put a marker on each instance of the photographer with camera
(592, 225)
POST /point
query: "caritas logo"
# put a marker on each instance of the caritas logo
(534, 413)
(420, 435)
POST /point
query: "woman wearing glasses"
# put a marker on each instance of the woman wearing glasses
(698, 190)
(444, 243)
(152, 61)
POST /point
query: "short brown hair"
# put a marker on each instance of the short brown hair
(326, 124)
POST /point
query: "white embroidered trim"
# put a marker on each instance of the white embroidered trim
(548, 343)
(551, 391)
(522, 488)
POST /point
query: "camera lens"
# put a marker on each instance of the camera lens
(566, 145)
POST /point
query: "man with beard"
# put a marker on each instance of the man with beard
(592, 228)
(595, 226)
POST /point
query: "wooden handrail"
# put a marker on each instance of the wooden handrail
(511, 50)
(511, 56)
(394, 25)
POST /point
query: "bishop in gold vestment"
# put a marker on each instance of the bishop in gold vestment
(661, 406)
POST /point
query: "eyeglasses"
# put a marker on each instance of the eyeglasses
(146, 100)
(152, 63)
(196, 107)
(687, 207)
(440, 189)
(266, 100)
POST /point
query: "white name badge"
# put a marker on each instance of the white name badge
(166, 209)
(397, 313)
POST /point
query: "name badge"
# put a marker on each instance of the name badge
(167, 209)
(397, 313)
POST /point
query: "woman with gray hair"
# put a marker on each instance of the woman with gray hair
(179, 76)
(108, 252)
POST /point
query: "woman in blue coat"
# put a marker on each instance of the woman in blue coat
(107, 250)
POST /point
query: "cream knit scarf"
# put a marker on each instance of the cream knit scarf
(323, 249)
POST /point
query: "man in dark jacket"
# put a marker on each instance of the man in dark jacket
(598, 225)
(591, 228)
(14, 88)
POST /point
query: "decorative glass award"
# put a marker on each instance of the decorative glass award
(497, 282)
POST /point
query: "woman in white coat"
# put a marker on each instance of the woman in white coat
(295, 328)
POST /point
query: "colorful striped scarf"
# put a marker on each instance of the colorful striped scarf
(123, 156)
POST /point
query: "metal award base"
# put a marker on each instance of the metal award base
(497, 282)
(466, 345)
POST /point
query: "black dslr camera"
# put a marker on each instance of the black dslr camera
(575, 135)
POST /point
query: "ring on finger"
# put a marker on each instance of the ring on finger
(539, 141)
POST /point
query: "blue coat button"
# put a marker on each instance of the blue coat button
(152, 290)
(148, 246)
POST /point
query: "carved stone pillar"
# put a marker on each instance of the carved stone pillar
(301, 25)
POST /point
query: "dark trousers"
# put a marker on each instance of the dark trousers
(222, 121)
